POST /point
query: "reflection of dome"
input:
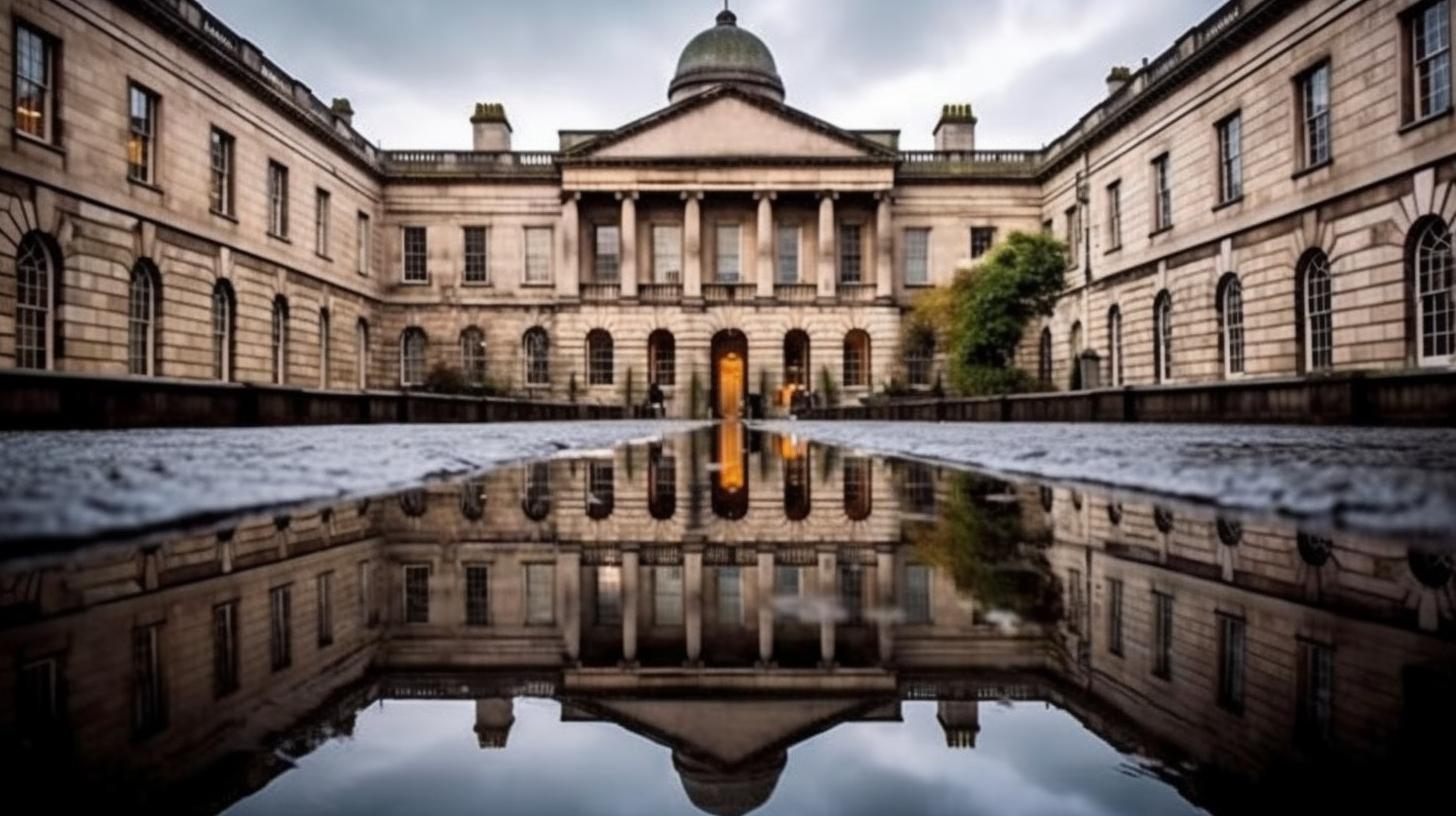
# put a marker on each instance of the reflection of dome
(726, 54)
(730, 793)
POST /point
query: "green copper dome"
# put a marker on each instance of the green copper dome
(726, 55)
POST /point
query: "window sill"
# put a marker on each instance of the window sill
(145, 185)
(1232, 202)
(1160, 231)
(324, 257)
(26, 138)
(539, 285)
(1112, 250)
(224, 216)
(1313, 168)
(1416, 124)
(425, 282)
(926, 285)
(477, 284)
(275, 236)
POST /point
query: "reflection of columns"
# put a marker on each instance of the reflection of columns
(692, 246)
(493, 720)
(829, 598)
(828, 280)
(628, 246)
(884, 246)
(568, 272)
(766, 591)
(568, 583)
(765, 245)
(885, 600)
(693, 600)
(630, 603)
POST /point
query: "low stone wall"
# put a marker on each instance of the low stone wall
(1419, 398)
(45, 400)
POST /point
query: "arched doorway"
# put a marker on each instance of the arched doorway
(730, 373)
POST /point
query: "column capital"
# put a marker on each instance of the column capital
(570, 196)
(691, 195)
(832, 195)
(885, 196)
(761, 195)
(627, 195)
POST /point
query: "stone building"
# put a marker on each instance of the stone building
(1270, 197)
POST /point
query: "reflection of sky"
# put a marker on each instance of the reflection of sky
(421, 757)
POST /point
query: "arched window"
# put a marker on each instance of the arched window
(141, 326)
(1315, 298)
(536, 492)
(1114, 346)
(661, 483)
(858, 488)
(1163, 519)
(472, 500)
(1163, 338)
(601, 489)
(1230, 294)
(796, 358)
(414, 503)
(1044, 360)
(919, 356)
(1047, 497)
(223, 312)
(324, 343)
(662, 358)
(536, 349)
(361, 353)
(412, 357)
(1230, 532)
(1434, 272)
(1114, 513)
(35, 303)
(1074, 351)
(857, 359)
(599, 354)
(280, 340)
(472, 355)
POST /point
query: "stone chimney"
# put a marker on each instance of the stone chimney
(492, 129)
(961, 721)
(956, 130)
(1118, 78)
(343, 111)
(493, 721)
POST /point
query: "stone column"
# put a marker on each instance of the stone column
(630, 569)
(884, 249)
(829, 597)
(765, 607)
(885, 599)
(693, 601)
(568, 587)
(765, 244)
(692, 246)
(827, 266)
(629, 244)
(568, 263)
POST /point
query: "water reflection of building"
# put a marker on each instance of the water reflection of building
(611, 585)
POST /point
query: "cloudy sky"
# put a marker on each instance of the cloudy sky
(414, 70)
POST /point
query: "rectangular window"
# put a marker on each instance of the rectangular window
(729, 266)
(919, 488)
(367, 614)
(607, 260)
(1074, 240)
(225, 649)
(917, 257)
(477, 254)
(1114, 215)
(35, 91)
(141, 159)
(1162, 635)
(1316, 702)
(362, 244)
(416, 255)
(1231, 159)
(851, 592)
(786, 580)
(667, 254)
(917, 594)
(667, 588)
(608, 596)
(1314, 120)
(38, 715)
(540, 594)
(221, 188)
(149, 702)
(477, 595)
(1231, 661)
(280, 627)
(538, 255)
(1114, 616)
(787, 260)
(1429, 60)
(417, 593)
(730, 596)
(321, 223)
(324, 594)
(1162, 194)
(277, 199)
(982, 239)
(1075, 600)
(851, 254)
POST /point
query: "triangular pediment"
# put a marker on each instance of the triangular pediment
(728, 123)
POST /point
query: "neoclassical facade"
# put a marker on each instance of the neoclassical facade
(1270, 197)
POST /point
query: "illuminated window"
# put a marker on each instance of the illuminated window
(141, 158)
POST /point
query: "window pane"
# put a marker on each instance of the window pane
(729, 268)
(788, 255)
(540, 594)
(477, 269)
(850, 260)
(917, 257)
(667, 254)
(608, 257)
(416, 255)
(538, 255)
(417, 594)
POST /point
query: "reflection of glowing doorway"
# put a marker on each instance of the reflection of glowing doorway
(730, 372)
(730, 471)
